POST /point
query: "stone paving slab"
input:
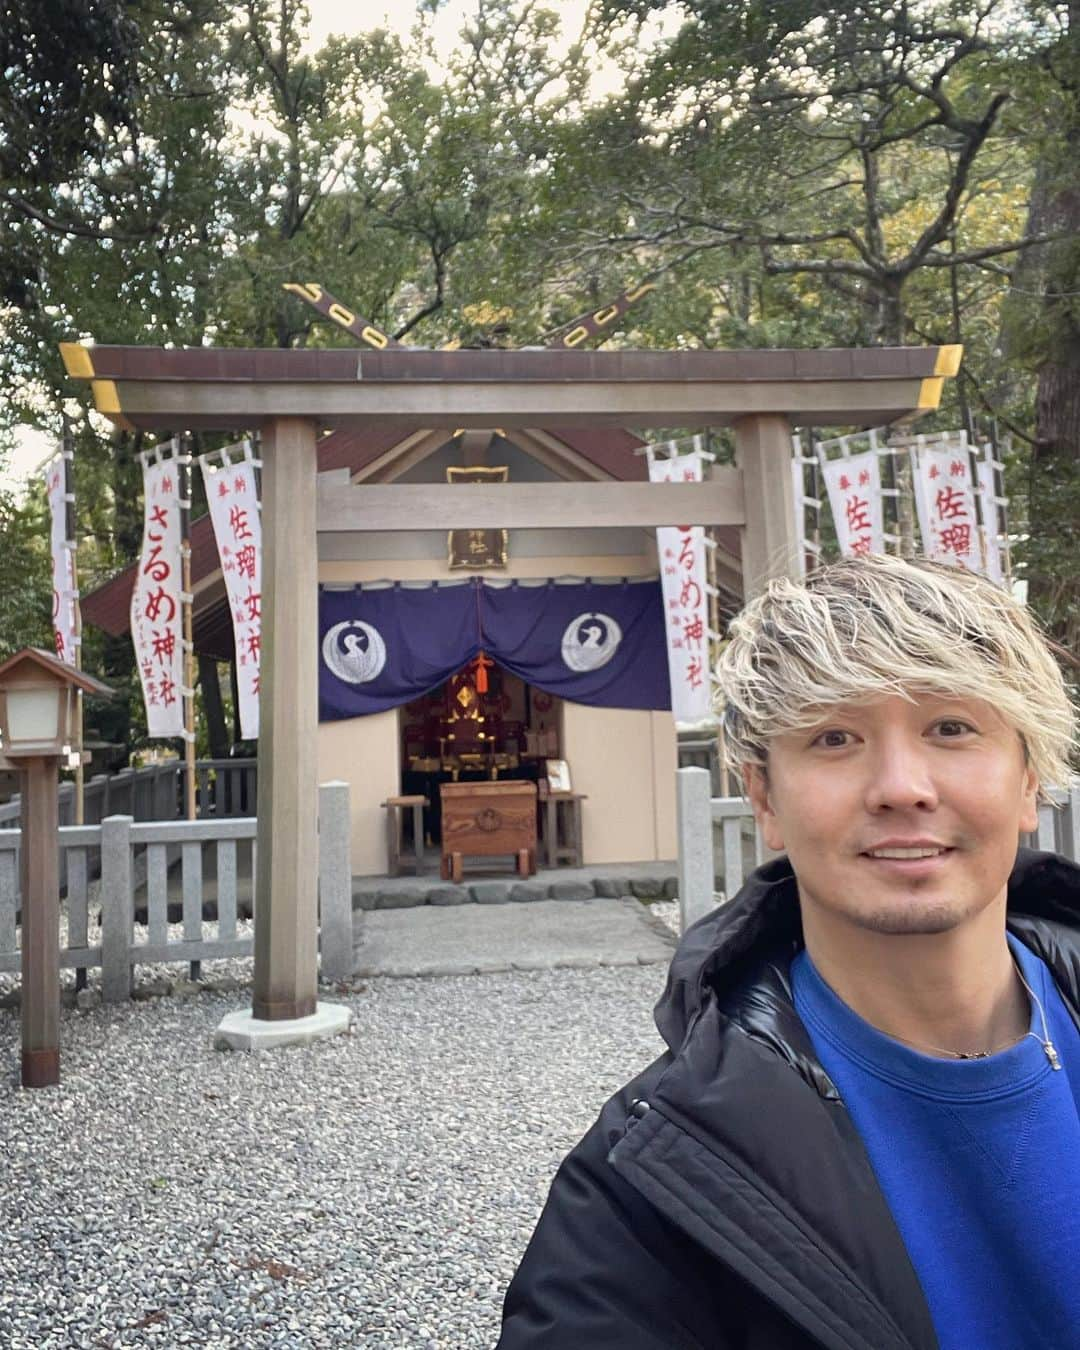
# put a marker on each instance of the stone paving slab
(485, 939)
(495, 886)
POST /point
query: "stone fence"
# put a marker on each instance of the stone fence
(123, 919)
(709, 874)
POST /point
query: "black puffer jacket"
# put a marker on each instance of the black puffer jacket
(723, 1200)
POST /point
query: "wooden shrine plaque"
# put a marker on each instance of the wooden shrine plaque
(477, 548)
(488, 819)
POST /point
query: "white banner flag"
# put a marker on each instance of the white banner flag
(232, 496)
(156, 602)
(988, 498)
(854, 487)
(945, 503)
(65, 596)
(686, 605)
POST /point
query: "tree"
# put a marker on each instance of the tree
(25, 579)
(810, 137)
(1042, 324)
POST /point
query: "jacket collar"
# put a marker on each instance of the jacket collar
(750, 940)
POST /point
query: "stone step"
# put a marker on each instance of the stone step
(655, 883)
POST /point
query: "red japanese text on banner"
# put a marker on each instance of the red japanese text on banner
(156, 603)
(65, 597)
(945, 503)
(686, 606)
(854, 487)
(232, 495)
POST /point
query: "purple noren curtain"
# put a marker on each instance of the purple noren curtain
(600, 644)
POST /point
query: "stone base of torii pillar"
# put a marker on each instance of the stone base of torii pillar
(242, 1030)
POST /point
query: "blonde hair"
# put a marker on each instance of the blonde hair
(868, 627)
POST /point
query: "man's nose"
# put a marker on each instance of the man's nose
(899, 777)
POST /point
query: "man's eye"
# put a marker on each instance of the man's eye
(951, 727)
(831, 739)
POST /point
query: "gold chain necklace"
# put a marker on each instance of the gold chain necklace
(1047, 1044)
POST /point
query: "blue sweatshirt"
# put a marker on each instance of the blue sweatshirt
(979, 1161)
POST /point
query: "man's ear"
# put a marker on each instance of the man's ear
(756, 783)
(1029, 802)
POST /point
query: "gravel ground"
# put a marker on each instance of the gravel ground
(375, 1190)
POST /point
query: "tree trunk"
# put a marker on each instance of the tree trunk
(1055, 465)
(889, 318)
(235, 685)
(212, 707)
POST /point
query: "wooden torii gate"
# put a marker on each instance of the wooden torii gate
(292, 394)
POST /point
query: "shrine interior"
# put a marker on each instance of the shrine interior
(483, 723)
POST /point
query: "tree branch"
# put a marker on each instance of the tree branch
(976, 255)
(78, 229)
(436, 304)
(938, 228)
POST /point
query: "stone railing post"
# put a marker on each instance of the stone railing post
(693, 799)
(335, 883)
(117, 908)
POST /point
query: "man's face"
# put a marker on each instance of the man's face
(940, 777)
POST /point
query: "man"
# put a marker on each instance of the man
(865, 1130)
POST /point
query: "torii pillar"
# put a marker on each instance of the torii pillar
(770, 547)
(285, 1006)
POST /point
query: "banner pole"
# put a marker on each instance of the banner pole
(184, 461)
(68, 450)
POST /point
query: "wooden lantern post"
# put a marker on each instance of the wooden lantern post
(37, 724)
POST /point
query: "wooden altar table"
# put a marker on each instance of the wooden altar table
(486, 820)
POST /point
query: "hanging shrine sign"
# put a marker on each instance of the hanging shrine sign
(65, 593)
(232, 496)
(477, 548)
(157, 600)
(854, 487)
(686, 606)
(945, 502)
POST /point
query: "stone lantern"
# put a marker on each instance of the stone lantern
(37, 701)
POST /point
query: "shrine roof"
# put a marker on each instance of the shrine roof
(612, 449)
(161, 388)
(107, 607)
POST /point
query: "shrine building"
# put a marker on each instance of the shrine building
(467, 589)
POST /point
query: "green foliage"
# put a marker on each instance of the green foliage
(793, 173)
(25, 577)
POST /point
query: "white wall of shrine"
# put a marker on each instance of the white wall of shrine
(363, 752)
(624, 760)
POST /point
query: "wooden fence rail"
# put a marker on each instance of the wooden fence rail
(133, 860)
(224, 787)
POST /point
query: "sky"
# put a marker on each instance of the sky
(347, 18)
